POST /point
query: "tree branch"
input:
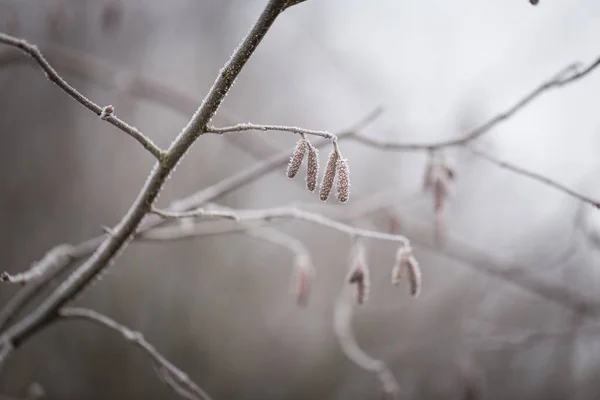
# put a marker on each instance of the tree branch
(236, 181)
(254, 127)
(535, 176)
(194, 213)
(138, 340)
(565, 77)
(152, 90)
(105, 113)
(342, 324)
(271, 214)
(107, 251)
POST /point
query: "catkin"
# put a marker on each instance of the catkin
(414, 276)
(329, 176)
(297, 157)
(343, 180)
(359, 274)
(304, 275)
(312, 167)
(402, 256)
(439, 195)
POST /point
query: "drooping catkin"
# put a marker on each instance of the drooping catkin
(304, 273)
(406, 261)
(428, 176)
(400, 265)
(440, 192)
(329, 176)
(414, 276)
(312, 167)
(343, 180)
(297, 157)
(359, 273)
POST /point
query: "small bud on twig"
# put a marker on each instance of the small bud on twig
(312, 168)
(329, 176)
(107, 112)
(297, 157)
(343, 180)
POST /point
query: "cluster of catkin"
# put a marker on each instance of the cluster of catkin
(336, 173)
(405, 263)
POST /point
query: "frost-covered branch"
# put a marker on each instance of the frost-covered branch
(272, 214)
(105, 113)
(535, 176)
(342, 324)
(137, 339)
(194, 213)
(243, 127)
(566, 76)
(129, 224)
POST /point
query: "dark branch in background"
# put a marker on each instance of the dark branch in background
(80, 278)
(137, 339)
(103, 112)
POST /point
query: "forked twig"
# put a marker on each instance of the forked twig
(54, 77)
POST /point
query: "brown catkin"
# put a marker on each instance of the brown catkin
(359, 274)
(343, 180)
(297, 157)
(312, 167)
(329, 176)
(440, 192)
(402, 256)
(414, 276)
(304, 275)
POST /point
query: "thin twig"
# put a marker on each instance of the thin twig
(168, 380)
(194, 213)
(342, 323)
(137, 339)
(53, 263)
(106, 253)
(6, 348)
(271, 214)
(57, 255)
(254, 127)
(563, 78)
(54, 77)
(535, 176)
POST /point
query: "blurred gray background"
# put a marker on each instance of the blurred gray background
(510, 302)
